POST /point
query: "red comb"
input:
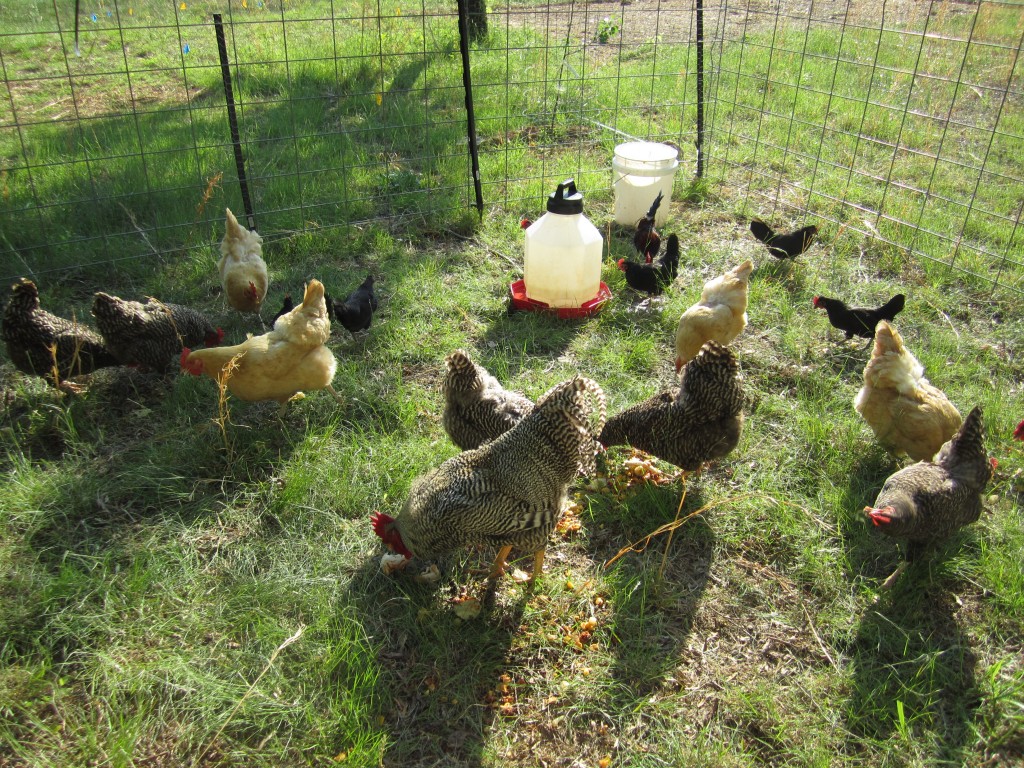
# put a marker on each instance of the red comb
(194, 368)
(379, 521)
(525, 222)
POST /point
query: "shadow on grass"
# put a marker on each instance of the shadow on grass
(429, 660)
(654, 608)
(914, 675)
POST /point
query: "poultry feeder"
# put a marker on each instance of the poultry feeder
(562, 263)
(640, 170)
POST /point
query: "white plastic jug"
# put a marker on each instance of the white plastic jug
(562, 263)
(640, 170)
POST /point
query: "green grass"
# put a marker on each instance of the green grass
(153, 568)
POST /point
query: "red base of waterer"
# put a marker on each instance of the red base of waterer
(520, 301)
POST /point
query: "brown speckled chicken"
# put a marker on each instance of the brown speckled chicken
(42, 344)
(701, 422)
(243, 273)
(509, 492)
(153, 334)
(906, 413)
(927, 501)
(477, 408)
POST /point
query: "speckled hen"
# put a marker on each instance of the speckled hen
(477, 408)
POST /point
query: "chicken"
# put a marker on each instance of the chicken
(906, 413)
(508, 492)
(356, 312)
(720, 315)
(42, 344)
(652, 277)
(787, 246)
(288, 304)
(927, 501)
(646, 239)
(700, 422)
(477, 408)
(153, 334)
(281, 363)
(859, 321)
(1018, 433)
(243, 273)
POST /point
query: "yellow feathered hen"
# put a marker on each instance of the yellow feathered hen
(281, 363)
(906, 413)
(243, 273)
(720, 315)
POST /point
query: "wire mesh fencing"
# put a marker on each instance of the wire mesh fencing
(898, 120)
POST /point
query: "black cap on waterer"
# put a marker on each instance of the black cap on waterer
(566, 200)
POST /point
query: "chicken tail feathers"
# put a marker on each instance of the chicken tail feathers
(654, 206)
(761, 231)
(892, 307)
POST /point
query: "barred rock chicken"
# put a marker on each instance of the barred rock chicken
(42, 344)
(927, 501)
(509, 492)
(906, 413)
(153, 334)
(477, 408)
(720, 315)
(243, 273)
(701, 422)
(279, 364)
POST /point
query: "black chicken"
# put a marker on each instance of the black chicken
(651, 278)
(646, 239)
(859, 321)
(787, 246)
(286, 306)
(356, 311)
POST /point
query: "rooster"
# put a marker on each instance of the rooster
(646, 239)
(42, 344)
(508, 492)
(280, 364)
(720, 315)
(356, 311)
(153, 334)
(927, 501)
(700, 422)
(477, 407)
(243, 273)
(787, 246)
(859, 321)
(906, 413)
(652, 277)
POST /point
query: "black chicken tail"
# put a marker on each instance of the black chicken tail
(654, 207)
(761, 231)
(670, 261)
(892, 307)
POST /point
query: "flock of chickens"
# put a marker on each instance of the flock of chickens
(508, 487)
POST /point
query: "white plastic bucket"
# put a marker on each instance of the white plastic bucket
(640, 170)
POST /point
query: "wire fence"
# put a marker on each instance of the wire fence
(901, 120)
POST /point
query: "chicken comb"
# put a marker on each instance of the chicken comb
(380, 522)
(193, 368)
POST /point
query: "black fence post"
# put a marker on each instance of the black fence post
(467, 86)
(225, 72)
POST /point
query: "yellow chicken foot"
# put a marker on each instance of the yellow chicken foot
(498, 569)
(538, 566)
(335, 395)
(887, 584)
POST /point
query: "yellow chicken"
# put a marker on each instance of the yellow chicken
(720, 315)
(906, 413)
(280, 364)
(243, 273)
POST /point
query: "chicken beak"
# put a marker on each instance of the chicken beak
(878, 517)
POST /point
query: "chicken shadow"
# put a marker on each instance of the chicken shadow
(869, 555)
(428, 659)
(655, 591)
(913, 675)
